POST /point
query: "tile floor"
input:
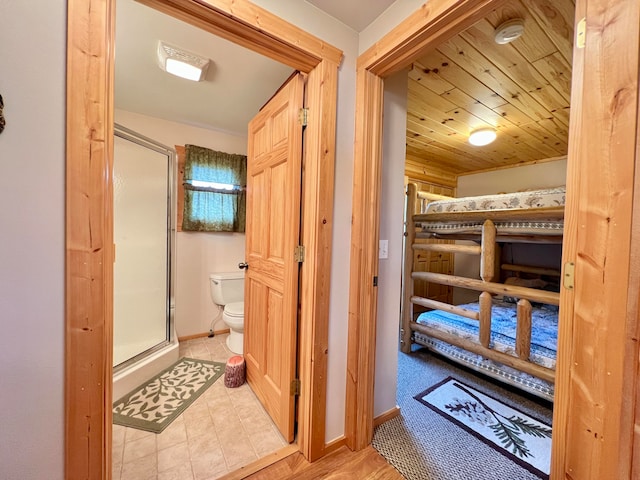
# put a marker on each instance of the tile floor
(224, 429)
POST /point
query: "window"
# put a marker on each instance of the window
(211, 190)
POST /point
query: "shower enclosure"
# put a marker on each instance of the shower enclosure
(144, 341)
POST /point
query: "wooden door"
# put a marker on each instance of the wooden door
(273, 231)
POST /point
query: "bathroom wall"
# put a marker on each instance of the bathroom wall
(197, 254)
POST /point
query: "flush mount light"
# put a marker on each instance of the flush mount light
(179, 62)
(509, 31)
(482, 136)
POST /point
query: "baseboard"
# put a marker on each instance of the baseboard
(386, 416)
(201, 335)
(334, 445)
(261, 463)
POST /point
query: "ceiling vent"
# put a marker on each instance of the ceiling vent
(184, 64)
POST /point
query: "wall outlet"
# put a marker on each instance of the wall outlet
(383, 250)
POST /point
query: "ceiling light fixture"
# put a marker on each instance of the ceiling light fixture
(482, 136)
(182, 63)
(508, 31)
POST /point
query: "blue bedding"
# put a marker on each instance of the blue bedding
(544, 332)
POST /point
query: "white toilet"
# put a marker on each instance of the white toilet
(227, 288)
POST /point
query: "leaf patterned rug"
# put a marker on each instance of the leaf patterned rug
(514, 434)
(158, 402)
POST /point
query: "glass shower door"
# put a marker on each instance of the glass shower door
(142, 232)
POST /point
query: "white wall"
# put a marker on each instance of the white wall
(392, 16)
(198, 254)
(32, 149)
(32, 254)
(391, 229)
(336, 33)
(528, 177)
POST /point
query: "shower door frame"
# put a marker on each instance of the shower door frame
(146, 142)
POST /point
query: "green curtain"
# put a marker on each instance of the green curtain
(208, 209)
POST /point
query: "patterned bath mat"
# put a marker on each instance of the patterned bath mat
(158, 402)
(514, 434)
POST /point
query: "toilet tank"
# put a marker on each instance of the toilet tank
(226, 287)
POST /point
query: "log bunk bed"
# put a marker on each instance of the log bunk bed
(493, 336)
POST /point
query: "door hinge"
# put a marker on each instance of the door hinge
(295, 387)
(303, 116)
(298, 254)
(569, 273)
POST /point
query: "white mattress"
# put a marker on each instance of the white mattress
(551, 197)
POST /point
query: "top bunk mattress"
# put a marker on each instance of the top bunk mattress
(551, 197)
(465, 215)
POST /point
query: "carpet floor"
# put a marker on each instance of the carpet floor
(423, 445)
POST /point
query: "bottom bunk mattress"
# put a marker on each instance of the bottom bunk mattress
(544, 333)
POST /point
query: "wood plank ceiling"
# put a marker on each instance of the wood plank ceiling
(522, 89)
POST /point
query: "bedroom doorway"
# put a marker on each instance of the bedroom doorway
(428, 28)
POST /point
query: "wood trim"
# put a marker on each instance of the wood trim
(181, 153)
(261, 463)
(386, 416)
(89, 239)
(433, 23)
(630, 418)
(89, 256)
(253, 27)
(317, 228)
(593, 395)
(364, 262)
(202, 335)
(334, 445)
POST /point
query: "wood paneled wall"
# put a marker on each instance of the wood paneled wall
(522, 89)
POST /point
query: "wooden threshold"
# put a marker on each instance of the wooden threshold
(262, 463)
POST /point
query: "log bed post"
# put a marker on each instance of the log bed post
(523, 329)
(488, 258)
(485, 319)
(407, 284)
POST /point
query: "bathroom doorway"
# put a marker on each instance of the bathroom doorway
(91, 50)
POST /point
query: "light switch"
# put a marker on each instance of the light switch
(383, 250)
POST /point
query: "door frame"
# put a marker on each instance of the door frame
(89, 215)
(597, 353)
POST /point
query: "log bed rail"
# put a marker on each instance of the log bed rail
(487, 250)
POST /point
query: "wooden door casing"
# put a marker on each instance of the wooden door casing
(272, 233)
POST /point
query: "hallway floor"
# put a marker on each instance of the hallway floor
(223, 430)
